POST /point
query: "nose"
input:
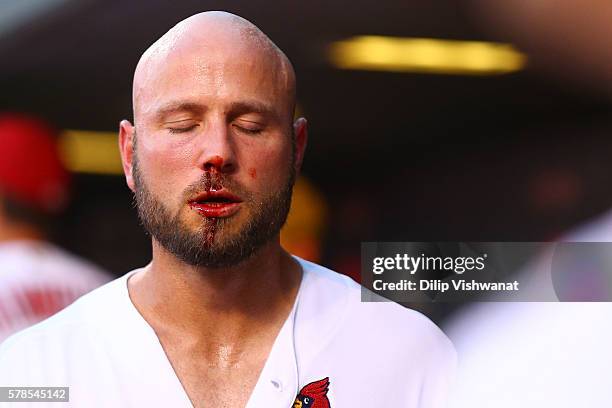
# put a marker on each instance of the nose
(217, 148)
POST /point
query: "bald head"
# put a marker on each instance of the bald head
(212, 46)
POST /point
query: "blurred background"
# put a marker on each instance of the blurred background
(429, 121)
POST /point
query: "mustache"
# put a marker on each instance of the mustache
(212, 180)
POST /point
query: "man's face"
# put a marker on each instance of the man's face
(213, 163)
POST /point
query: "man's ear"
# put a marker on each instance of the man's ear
(300, 130)
(126, 147)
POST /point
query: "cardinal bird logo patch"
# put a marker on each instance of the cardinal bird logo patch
(313, 395)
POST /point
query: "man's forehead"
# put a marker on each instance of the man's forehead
(207, 44)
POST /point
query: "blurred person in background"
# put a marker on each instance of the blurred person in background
(223, 315)
(548, 354)
(37, 278)
(543, 353)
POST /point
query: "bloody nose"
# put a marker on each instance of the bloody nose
(215, 162)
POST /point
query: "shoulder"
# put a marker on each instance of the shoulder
(369, 319)
(38, 261)
(61, 263)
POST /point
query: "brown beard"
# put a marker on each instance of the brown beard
(227, 247)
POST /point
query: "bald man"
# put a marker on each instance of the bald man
(223, 316)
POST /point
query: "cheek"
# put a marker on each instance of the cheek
(269, 166)
(165, 166)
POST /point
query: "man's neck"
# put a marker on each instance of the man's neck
(175, 297)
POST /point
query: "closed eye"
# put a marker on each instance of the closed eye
(250, 130)
(181, 129)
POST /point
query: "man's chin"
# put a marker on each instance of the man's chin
(217, 232)
(222, 253)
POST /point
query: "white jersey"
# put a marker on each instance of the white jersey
(38, 279)
(353, 353)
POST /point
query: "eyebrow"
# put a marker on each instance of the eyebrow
(241, 107)
(177, 107)
(234, 110)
